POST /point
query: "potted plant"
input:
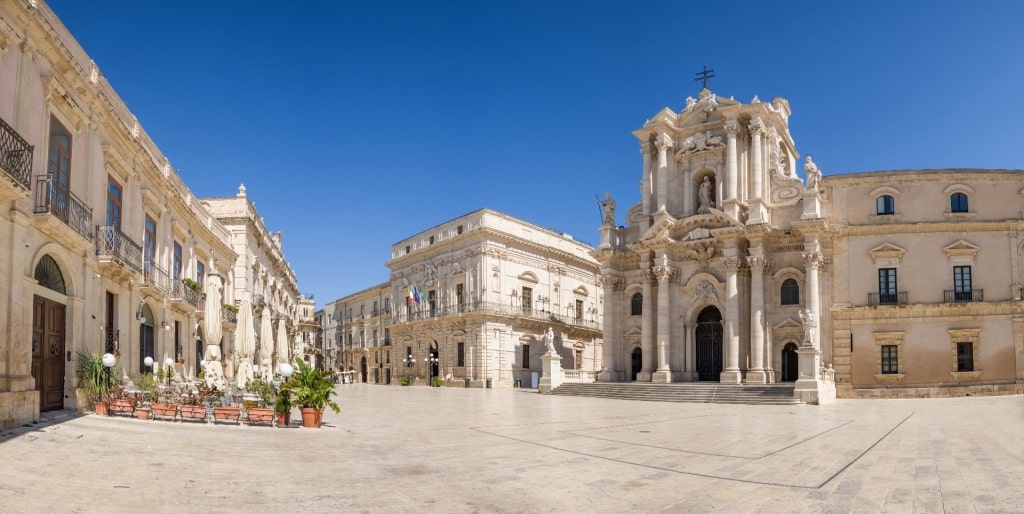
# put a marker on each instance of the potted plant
(120, 401)
(192, 284)
(260, 412)
(283, 407)
(312, 389)
(164, 406)
(438, 381)
(96, 379)
(405, 381)
(146, 395)
(192, 407)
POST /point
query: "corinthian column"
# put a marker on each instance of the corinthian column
(663, 272)
(812, 261)
(757, 262)
(645, 185)
(611, 332)
(731, 170)
(664, 142)
(731, 374)
(756, 213)
(647, 327)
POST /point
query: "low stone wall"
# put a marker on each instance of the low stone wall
(931, 392)
(18, 408)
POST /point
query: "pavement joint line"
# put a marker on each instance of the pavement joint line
(868, 449)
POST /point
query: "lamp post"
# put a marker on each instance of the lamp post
(431, 362)
(108, 362)
(170, 369)
(409, 362)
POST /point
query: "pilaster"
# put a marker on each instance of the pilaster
(731, 374)
(730, 205)
(647, 327)
(663, 272)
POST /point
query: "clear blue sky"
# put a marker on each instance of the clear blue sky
(357, 124)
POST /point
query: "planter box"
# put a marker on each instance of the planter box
(123, 406)
(227, 414)
(193, 412)
(260, 415)
(142, 413)
(165, 410)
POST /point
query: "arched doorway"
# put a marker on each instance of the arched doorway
(362, 369)
(433, 362)
(708, 344)
(48, 321)
(790, 363)
(636, 362)
(146, 348)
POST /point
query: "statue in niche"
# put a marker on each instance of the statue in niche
(608, 207)
(705, 202)
(813, 174)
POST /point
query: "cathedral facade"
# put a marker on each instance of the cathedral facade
(736, 267)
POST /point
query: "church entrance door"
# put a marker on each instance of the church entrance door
(790, 363)
(709, 344)
(636, 363)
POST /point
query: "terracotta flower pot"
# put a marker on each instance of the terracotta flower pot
(311, 417)
(259, 415)
(100, 408)
(142, 413)
(284, 418)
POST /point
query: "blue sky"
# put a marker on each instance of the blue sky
(357, 124)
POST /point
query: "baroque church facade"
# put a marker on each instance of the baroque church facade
(734, 268)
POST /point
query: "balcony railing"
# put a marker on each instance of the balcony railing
(974, 295)
(15, 155)
(111, 243)
(154, 276)
(229, 315)
(179, 292)
(897, 298)
(63, 205)
(425, 312)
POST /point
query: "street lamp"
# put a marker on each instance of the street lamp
(409, 362)
(108, 362)
(170, 369)
(431, 362)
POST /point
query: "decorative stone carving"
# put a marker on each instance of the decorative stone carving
(705, 291)
(813, 174)
(647, 275)
(704, 196)
(756, 126)
(757, 264)
(608, 208)
(701, 254)
(732, 263)
(699, 143)
(663, 142)
(813, 260)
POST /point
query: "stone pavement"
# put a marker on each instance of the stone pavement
(418, 449)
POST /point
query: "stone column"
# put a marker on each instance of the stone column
(647, 328)
(664, 142)
(646, 149)
(611, 333)
(731, 374)
(690, 342)
(757, 262)
(812, 260)
(730, 205)
(755, 212)
(663, 272)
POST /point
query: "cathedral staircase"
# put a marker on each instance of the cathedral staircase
(689, 392)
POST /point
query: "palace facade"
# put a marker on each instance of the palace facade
(105, 247)
(734, 268)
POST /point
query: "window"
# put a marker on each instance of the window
(958, 202)
(460, 355)
(579, 310)
(431, 240)
(375, 334)
(458, 296)
(387, 305)
(884, 205)
(408, 249)
(890, 359)
(113, 203)
(962, 284)
(58, 166)
(636, 305)
(177, 262)
(526, 356)
(408, 355)
(458, 229)
(200, 272)
(387, 336)
(432, 301)
(790, 293)
(374, 313)
(527, 299)
(965, 357)
(887, 286)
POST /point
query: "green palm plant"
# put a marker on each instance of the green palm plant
(310, 388)
(96, 379)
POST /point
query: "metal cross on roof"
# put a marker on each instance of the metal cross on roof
(706, 75)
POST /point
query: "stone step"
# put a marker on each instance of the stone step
(689, 392)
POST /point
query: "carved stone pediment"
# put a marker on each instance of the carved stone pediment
(661, 228)
(789, 324)
(886, 251)
(961, 248)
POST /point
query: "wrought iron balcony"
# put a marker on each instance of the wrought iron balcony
(229, 315)
(15, 156)
(63, 205)
(974, 295)
(112, 244)
(897, 298)
(155, 277)
(426, 312)
(182, 292)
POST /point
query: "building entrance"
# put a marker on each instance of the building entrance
(790, 363)
(709, 345)
(48, 352)
(636, 363)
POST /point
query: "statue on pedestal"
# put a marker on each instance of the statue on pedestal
(549, 340)
(813, 174)
(608, 206)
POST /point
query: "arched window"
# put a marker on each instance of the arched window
(884, 205)
(957, 202)
(790, 292)
(636, 305)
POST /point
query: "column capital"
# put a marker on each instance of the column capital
(756, 126)
(663, 273)
(758, 264)
(732, 264)
(732, 127)
(664, 141)
(813, 260)
(647, 275)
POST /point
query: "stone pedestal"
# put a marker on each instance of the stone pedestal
(551, 367)
(756, 376)
(731, 377)
(732, 208)
(662, 377)
(608, 239)
(607, 375)
(643, 376)
(809, 387)
(812, 205)
(756, 212)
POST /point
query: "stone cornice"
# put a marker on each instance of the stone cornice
(928, 228)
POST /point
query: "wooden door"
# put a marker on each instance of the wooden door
(48, 352)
